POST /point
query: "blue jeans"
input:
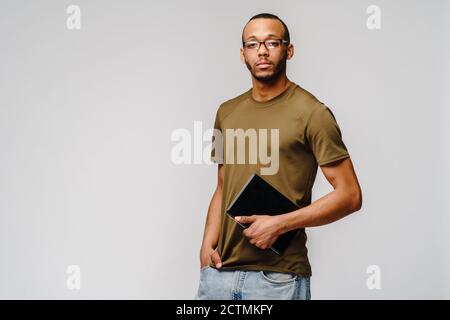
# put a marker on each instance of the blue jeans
(217, 284)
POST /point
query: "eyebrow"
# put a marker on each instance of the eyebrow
(269, 35)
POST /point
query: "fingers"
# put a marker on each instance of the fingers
(215, 258)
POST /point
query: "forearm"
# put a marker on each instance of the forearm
(213, 220)
(327, 209)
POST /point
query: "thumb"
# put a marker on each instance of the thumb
(245, 219)
(216, 259)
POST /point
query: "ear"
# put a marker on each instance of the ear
(290, 51)
(241, 54)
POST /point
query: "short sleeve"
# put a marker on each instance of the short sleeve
(217, 141)
(324, 136)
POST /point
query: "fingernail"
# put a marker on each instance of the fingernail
(218, 265)
(237, 218)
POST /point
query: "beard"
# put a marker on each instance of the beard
(278, 70)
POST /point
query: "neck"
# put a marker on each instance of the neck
(264, 91)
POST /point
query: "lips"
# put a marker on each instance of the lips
(263, 65)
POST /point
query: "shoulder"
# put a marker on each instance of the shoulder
(304, 101)
(308, 107)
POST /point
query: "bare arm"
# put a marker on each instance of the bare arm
(208, 253)
(343, 200)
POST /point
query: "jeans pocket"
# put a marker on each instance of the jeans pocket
(278, 277)
(204, 268)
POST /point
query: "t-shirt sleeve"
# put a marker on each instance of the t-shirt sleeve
(217, 141)
(324, 136)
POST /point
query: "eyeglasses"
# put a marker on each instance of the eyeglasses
(269, 43)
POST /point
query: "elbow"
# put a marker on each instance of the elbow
(355, 200)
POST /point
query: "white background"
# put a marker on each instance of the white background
(86, 116)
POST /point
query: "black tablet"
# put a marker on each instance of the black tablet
(257, 196)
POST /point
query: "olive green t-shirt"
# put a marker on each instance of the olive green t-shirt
(308, 135)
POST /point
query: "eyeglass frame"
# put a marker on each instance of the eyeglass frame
(283, 41)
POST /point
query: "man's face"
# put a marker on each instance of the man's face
(266, 65)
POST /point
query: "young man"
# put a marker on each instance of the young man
(237, 263)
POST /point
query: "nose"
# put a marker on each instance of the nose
(263, 51)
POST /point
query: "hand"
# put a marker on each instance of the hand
(264, 229)
(209, 256)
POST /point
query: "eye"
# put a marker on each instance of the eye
(251, 44)
(272, 43)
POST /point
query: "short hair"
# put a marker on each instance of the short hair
(269, 16)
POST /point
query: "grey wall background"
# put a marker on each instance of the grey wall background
(86, 117)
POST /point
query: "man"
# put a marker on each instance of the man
(236, 262)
